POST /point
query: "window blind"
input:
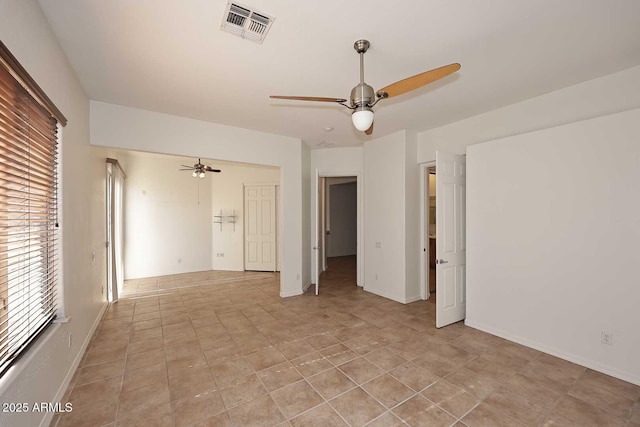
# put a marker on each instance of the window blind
(28, 215)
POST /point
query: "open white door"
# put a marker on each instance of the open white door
(316, 246)
(450, 238)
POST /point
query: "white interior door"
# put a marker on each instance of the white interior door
(316, 246)
(450, 238)
(260, 227)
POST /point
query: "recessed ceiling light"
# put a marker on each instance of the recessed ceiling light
(328, 129)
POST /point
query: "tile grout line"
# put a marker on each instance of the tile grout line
(300, 308)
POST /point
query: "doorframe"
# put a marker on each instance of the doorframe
(322, 203)
(109, 236)
(359, 218)
(424, 226)
(115, 234)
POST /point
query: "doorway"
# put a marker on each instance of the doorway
(338, 227)
(431, 231)
(341, 217)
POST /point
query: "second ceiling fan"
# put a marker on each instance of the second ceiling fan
(198, 170)
(363, 97)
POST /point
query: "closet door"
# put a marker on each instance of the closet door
(260, 227)
(451, 265)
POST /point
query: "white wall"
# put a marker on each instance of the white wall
(413, 251)
(392, 219)
(135, 129)
(384, 204)
(553, 224)
(305, 238)
(42, 375)
(228, 194)
(167, 217)
(599, 97)
(339, 162)
(163, 218)
(605, 95)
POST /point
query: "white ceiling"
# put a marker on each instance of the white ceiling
(170, 56)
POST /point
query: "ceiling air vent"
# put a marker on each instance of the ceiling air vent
(245, 22)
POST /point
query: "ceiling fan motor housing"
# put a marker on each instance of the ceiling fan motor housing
(362, 95)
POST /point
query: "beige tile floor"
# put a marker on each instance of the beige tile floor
(222, 349)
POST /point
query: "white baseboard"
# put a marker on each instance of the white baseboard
(63, 387)
(591, 364)
(292, 294)
(412, 299)
(296, 293)
(384, 294)
(389, 295)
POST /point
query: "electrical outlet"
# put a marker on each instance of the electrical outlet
(179, 260)
(221, 254)
(376, 276)
(606, 338)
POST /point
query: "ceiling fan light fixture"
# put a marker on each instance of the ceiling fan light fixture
(362, 118)
(363, 98)
(201, 174)
(194, 174)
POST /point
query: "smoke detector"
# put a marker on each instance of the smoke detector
(246, 22)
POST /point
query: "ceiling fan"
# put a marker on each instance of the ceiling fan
(363, 97)
(199, 169)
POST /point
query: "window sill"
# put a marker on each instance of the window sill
(25, 360)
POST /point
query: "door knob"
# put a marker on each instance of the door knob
(441, 261)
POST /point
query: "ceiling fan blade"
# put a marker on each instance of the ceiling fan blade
(210, 169)
(309, 98)
(189, 169)
(370, 130)
(419, 80)
(186, 166)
